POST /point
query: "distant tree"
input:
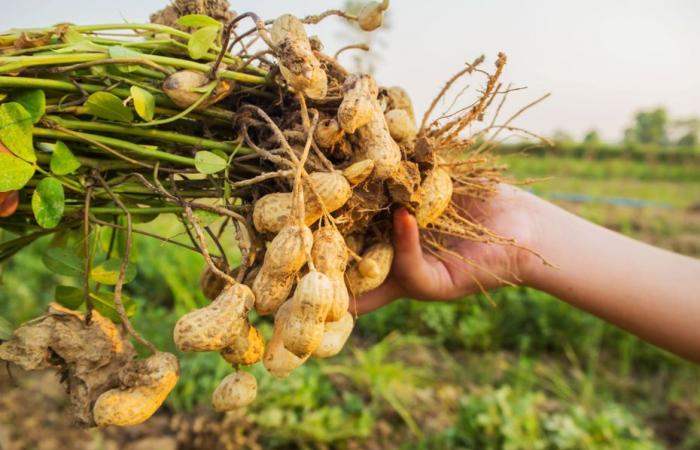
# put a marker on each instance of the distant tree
(592, 138)
(689, 139)
(562, 136)
(687, 131)
(650, 127)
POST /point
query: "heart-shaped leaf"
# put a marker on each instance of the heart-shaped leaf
(15, 173)
(33, 100)
(198, 20)
(206, 218)
(108, 106)
(48, 202)
(144, 103)
(16, 130)
(72, 297)
(5, 329)
(201, 41)
(207, 162)
(69, 296)
(63, 161)
(118, 51)
(62, 261)
(107, 272)
(104, 303)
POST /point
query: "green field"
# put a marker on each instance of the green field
(521, 370)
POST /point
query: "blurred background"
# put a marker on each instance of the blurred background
(518, 370)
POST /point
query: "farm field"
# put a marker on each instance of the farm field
(517, 369)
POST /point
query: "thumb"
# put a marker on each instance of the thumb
(408, 257)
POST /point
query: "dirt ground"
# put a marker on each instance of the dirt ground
(34, 415)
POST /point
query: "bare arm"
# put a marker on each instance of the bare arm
(648, 291)
(653, 293)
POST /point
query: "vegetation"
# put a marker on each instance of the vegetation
(520, 370)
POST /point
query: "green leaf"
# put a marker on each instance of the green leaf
(117, 51)
(198, 20)
(62, 261)
(201, 41)
(48, 202)
(71, 36)
(108, 106)
(16, 130)
(207, 162)
(5, 329)
(33, 100)
(15, 173)
(72, 297)
(107, 272)
(206, 218)
(69, 296)
(62, 160)
(104, 303)
(144, 103)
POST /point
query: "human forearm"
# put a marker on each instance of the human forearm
(648, 291)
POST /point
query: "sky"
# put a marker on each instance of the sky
(601, 60)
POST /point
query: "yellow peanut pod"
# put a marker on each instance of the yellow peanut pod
(399, 99)
(285, 255)
(358, 172)
(381, 255)
(358, 105)
(211, 283)
(371, 15)
(144, 386)
(435, 194)
(330, 256)
(181, 87)
(246, 348)
(401, 127)
(279, 361)
(335, 334)
(272, 211)
(328, 133)
(303, 330)
(237, 390)
(297, 62)
(214, 326)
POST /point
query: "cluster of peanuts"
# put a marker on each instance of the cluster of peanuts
(311, 269)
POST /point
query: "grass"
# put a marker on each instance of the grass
(526, 372)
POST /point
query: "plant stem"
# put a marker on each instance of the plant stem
(66, 86)
(117, 143)
(159, 135)
(135, 211)
(14, 63)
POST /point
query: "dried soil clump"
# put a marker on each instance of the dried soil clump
(88, 357)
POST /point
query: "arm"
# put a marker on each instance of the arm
(650, 292)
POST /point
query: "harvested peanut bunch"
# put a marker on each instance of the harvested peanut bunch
(245, 121)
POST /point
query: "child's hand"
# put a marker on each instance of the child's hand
(418, 274)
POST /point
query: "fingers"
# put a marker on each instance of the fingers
(408, 251)
(410, 264)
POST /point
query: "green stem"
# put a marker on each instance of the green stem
(66, 86)
(65, 182)
(132, 26)
(159, 135)
(116, 143)
(205, 95)
(115, 210)
(14, 63)
(99, 164)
